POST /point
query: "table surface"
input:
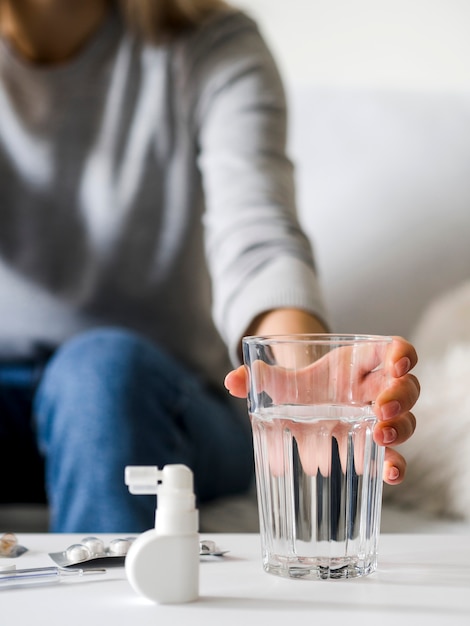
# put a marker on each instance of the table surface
(421, 579)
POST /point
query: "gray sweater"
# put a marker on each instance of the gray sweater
(148, 187)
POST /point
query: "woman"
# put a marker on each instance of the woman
(147, 222)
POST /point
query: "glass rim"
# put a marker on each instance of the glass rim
(316, 338)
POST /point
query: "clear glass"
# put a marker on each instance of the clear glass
(318, 469)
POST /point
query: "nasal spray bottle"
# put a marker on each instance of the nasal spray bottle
(162, 564)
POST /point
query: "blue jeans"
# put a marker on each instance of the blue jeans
(109, 398)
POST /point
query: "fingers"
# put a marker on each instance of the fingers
(403, 392)
(396, 423)
(236, 382)
(396, 431)
(403, 356)
(398, 398)
(394, 467)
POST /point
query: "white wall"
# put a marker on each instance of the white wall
(418, 44)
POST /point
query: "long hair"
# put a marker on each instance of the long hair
(158, 20)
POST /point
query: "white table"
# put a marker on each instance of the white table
(422, 579)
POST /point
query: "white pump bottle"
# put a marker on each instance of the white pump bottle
(163, 563)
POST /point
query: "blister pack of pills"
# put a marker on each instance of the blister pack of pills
(93, 552)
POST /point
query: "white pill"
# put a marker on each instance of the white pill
(77, 552)
(94, 544)
(119, 547)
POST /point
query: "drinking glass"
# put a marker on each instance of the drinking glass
(318, 469)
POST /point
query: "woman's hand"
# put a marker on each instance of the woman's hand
(393, 405)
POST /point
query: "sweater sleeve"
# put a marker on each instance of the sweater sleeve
(258, 256)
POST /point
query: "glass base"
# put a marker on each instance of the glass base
(320, 568)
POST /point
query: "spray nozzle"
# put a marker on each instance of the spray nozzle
(149, 479)
(173, 486)
(142, 480)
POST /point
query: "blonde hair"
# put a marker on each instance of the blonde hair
(157, 20)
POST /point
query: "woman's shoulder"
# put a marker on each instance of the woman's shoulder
(225, 22)
(225, 42)
(224, 29)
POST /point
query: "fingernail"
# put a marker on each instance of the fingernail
(389, 435)
(393, 473)
(391, 409)
(402, 366)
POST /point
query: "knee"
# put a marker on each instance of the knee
(92, 383)
(100, 350)
(96, 361)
